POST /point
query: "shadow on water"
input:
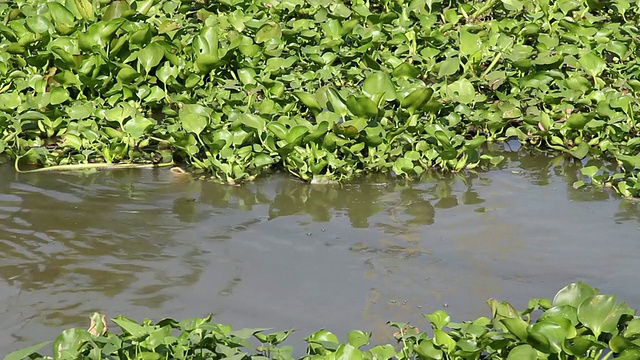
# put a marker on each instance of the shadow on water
(283, 253)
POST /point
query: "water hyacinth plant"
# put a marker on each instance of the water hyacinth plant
(579, 323)
(324, 89)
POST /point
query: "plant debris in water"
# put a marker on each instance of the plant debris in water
(324, 89)
(579, 323)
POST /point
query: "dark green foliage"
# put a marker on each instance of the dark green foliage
(324, 89)
(579, 323)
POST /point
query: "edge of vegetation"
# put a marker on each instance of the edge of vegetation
(578, 323)
(324, 89)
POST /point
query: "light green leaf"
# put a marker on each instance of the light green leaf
(592, 64)
(23, 353)
(253, 121)
(600, 314)
(523, 352)
(379, 83)
(137, 126)
(150, 56)
(267, 32)
(462, 91)
(449, 67)
(573, 294)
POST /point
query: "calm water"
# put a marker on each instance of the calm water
(281, 253)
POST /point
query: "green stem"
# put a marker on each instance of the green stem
(101, 166)
(483, 9)
(493, 64)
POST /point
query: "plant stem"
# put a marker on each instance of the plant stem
(100, 166)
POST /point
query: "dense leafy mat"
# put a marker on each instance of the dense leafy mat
(579, 323)
(324, 89)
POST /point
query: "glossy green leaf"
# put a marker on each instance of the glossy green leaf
(24, 353)
(267, 32)
(517, 327)
(253, 121)
(379, 83)
(137, 126)
(439, 319)
(194, 123)
(573, 294)
(362, 106)
(150, 56)
(358, 338)
(592, 64)
(85, 9)
(599, 314)
(416, 99)
(64, 20)
(117, 9)
(449, 67)
(523, 352)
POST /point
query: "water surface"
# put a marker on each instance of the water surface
(281, 253)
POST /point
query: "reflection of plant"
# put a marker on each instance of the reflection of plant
(579, 323)
(324, 90)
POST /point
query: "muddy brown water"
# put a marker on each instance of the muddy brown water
(280, 253)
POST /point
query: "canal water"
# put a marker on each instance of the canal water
(285, 254)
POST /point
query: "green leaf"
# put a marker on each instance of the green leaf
(592, 64)
(253, 121)
(406, 70)
(150, 56)
(416, 99)
(362, 106)
(337, 105)
(573, 294)
(439, 319)
(309, 101)
(553, 333)
(23, 353)
(64, 20)
(69, 343)
(379, 83)
(267, 32)
(137, 126)
(80, 110)
(523, 352)
(579, 346)
(348, 352)
(10, 100)
(443, 339)
(600, 314)
(262, 160)
(577, 121)
(462, 91)
(580, 151)
(38, 24)
(322, 336)
(247, 76)
(427, 350)
(358, 338)
(383, 352)
(517, 327)
(131, 327)
(59, 95)
(565, 311)
(449, 67)
(117, 9)
(85, 9)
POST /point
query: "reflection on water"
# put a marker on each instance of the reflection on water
(281, 253)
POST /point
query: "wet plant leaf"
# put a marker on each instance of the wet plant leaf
(379, 83)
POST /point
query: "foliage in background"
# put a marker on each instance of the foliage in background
(579, 323)
(324, 89)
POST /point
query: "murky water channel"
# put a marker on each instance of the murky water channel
(283, 254)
